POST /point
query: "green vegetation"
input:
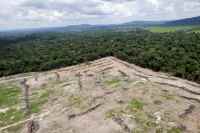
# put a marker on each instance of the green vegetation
(9, 96)
(168, 96)
(114, 112)
(175, 130)
(177, 53)
(10, 116)
(135, 105)
(197, 30)
(39, 99)
(163, 29)
(79, 102)
(144, 121)
(10, 104)
(9, 101)
(113, 82)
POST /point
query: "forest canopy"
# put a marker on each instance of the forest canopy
(177, 53)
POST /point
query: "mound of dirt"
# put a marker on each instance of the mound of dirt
(105, 96)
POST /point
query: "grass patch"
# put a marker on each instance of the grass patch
(144, 120)
(9, 96)
(135, 105)
(196, 30)
(79, 102)
(10, 117)
(112, 82)
(10, 99)
(168, 96)
(40, 99)
(114, 112)
(174, 130)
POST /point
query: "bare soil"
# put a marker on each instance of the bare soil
(111, 96)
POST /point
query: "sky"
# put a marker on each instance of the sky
(15, 14)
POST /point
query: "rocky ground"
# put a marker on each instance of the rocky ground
(104, 96)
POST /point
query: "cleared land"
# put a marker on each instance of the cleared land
(104, 96)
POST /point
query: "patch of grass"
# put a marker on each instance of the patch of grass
(144, 120)
(35, 107)
(135, 105)
(114, 112)
(196, 30)
(9, 96)
(175, 130)
(159, 130)
(112, 82)
(138, 131)
(75, 99)
(78, 101)
(41, 99)
(10, 117)
(10, 99)
(168, 96)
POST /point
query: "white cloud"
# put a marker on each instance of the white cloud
(37, 13)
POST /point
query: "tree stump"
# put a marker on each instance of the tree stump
(32, 126)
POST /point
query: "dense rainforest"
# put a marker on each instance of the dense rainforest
(177, 53)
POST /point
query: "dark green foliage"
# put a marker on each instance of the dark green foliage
(177, 53)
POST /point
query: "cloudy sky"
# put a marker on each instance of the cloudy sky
(44, 13)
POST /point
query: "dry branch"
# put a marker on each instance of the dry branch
(180, 87)
(72, 116)
(189, 110)
(26, 102)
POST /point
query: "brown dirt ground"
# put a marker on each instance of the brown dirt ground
(113, 96)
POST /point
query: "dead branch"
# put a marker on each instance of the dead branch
(191, 99)
(79, 81)
(72, 116)
(180, 87)
(57, 76)
(25, 88)
(189, 110)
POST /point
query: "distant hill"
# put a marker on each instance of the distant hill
(186, 21)
(194, 21)
(144, 23)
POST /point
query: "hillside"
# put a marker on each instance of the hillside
(181, 24)
(106, 96)
(186, 25)
(186, 21)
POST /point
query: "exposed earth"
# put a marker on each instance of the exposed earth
(103, 96)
